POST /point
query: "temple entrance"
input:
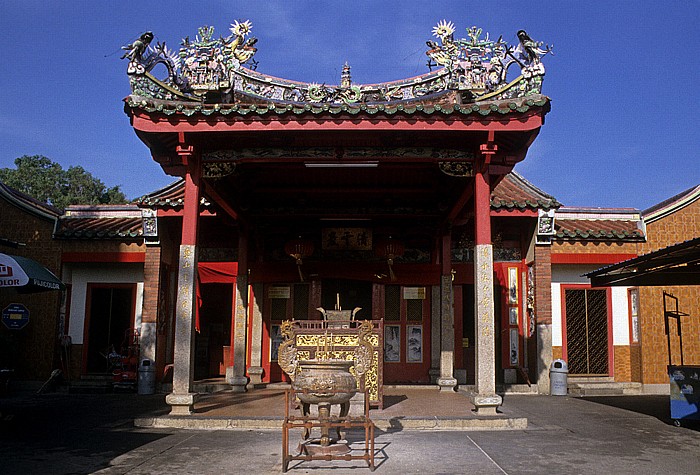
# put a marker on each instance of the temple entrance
(109, 326)
(350, 294)
(212, 342)
(587, 331)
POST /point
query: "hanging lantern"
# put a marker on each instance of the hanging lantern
(390, 249)
(299, 249)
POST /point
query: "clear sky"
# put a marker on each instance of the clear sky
(624, 79)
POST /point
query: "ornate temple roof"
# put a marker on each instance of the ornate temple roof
(218, 76)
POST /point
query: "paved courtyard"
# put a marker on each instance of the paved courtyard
(80, 433)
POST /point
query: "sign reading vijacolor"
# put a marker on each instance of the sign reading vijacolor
(9, 278)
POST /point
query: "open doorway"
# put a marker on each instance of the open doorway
(350, 293)
(212, 343)
(109, 324)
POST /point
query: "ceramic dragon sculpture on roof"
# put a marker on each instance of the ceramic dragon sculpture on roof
(222, 70)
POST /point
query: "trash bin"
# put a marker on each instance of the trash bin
(558, 378)
(147, 377)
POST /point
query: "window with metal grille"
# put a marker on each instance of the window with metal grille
(414, 310)
(392, 303)
(301, 302)
(278, 309)
(587, 331)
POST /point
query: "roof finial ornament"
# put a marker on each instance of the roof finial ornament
(345, 78)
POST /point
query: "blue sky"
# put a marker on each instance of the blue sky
(624, 80)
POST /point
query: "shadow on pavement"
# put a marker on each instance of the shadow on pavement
(658, 406)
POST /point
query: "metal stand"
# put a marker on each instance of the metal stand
(325, 448)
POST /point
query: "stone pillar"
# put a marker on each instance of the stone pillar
(435, 333)
(255, 371)
(182, 398)
(447, 380)
(236, 375)
(485, 400)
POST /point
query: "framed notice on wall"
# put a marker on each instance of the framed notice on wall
(392, 343)
(414, 349)
(513, 285)
(514, 347)
(513, 315)
(275, 341)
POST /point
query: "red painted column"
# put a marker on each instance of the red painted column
(482, 209)
(190, 216)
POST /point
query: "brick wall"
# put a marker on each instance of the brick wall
(557, 353)
(677, 227)
(151, 285)
(583, 247)
(33, 350)
(543, 285)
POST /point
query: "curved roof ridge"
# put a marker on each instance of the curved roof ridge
(672, 204)
(28, 203)
(514, 174)
(166, 190)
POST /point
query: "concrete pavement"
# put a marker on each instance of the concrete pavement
(80, 433)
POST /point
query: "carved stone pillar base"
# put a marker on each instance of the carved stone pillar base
(434, 375)
(238, 383)
(181, 404)
(487, 405)
(447, 384)
(357, 405)
(256, 374)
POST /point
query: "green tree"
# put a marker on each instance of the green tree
(47, 181)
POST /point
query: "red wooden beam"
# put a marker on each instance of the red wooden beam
(146, 122)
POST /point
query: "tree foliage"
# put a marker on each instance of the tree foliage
(45, 180)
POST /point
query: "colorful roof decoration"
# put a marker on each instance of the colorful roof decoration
(599, 224)
(516, 193)
(124, 222)
(209, 70)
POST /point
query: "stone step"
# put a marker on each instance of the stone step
(604, 387)
(92, 384)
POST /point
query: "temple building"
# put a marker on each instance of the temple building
(370, 196)
(397, 203)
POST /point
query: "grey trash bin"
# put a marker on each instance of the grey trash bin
(147, 377)
(558, 378)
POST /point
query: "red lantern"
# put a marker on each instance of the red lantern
(390, 249)
(298, 249)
